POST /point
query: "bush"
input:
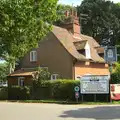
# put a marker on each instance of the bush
(43, 74)
(41, 92)
(115, 77)
(3, 93)
(18, 93)
(57, 89)
(3, 72)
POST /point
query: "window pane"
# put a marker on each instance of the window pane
(33, 56)
(54, 76)
(87, 53)
(21, 81)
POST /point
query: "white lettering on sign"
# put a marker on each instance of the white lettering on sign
(94, 84)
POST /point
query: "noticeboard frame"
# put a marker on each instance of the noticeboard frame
(81, 83)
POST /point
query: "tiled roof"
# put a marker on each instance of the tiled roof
(91, 40)
(23, 72)
(80, 44)
(69, 41)
(100, 49)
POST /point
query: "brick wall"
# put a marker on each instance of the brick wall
(84, 68)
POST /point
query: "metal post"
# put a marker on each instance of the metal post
(110, 69)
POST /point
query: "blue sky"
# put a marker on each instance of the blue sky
(77, 2)
(70, 2)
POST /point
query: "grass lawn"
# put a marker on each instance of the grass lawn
(65, 102)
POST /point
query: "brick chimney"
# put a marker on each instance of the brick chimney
(71, 23)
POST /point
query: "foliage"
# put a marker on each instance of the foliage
(116, 74)
(64, 89)
(61, 9)
(23, 24)
(3, 93)
(56, 89)
(118, 52)
(101, 16)
(18, 93)
(97, 18)
(3, 71)
(43, 74)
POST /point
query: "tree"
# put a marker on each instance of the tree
(23, 23)
(42, 75)
(102, 17)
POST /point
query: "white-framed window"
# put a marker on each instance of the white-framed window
(21, 81)
(33, 56)
(87, 51)
(54, 76)
(110, 53)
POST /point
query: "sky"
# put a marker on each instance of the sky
(77, 2)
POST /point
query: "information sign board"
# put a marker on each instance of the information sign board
(94, 84)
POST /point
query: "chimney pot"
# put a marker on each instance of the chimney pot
(71, 13)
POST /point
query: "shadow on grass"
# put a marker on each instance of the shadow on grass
(97, 113)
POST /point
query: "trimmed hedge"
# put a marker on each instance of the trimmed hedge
(115, 78)
(18, 93)
(3, 93)
(57, 89)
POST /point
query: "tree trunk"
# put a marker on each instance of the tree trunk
(11, 66)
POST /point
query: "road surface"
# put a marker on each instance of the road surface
(38, 111)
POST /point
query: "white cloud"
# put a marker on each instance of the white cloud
(116, 1)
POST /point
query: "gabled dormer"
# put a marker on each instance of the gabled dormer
(100, 51)
(83, 48)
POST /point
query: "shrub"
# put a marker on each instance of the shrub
(63, 89)
(3, 71)
(18, 93)
(58, 89)
(3, 93)
(43, 74)
(115, 77)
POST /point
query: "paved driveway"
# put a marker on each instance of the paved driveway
(25, 111)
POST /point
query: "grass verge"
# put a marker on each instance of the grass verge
(65, 102)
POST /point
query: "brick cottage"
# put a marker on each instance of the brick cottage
(66, 52)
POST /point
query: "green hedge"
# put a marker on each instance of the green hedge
(115, 78)
(3, 93)
(18, 93)
(56, 89)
